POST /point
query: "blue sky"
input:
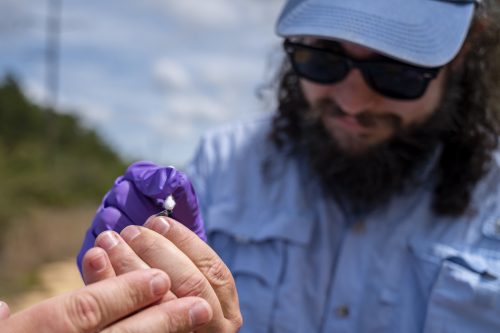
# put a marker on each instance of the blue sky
(151, 76)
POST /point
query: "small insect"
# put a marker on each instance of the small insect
(168, 206)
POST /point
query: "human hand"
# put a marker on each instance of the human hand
(193, 267)
(4, 311)
(120, 304)
(140, 193)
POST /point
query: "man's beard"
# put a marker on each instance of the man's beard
(369, 179)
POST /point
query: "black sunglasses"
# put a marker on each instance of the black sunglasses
(388, 77)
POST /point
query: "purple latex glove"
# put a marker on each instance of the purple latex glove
(139, 194)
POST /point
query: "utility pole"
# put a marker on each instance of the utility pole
(52, 52)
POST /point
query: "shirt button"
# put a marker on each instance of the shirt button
(359, 227)
(342, 311)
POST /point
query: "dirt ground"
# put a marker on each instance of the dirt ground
(37, 260)
(55, 278)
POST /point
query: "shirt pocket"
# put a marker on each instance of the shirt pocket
(256, 253)
(464, 294)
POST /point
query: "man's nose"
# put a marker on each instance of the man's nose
(353, 95)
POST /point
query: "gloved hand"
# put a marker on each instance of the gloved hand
(139, 194)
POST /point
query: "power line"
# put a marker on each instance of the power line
(52, 51)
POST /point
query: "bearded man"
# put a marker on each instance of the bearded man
(367, 203)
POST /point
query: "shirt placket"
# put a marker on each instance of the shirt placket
(348, 280)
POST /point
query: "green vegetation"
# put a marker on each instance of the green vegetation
(48, 159)
(53, 174)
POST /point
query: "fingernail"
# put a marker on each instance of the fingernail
(130, 232)
(199, 314)
(98, 263)
(160, 225)
(159, 285)
(108, 240)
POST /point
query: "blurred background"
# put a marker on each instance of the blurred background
(86, 87)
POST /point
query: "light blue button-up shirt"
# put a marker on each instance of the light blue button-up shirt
(303, 264)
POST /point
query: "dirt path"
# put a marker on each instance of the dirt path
(34, 253)
(55, 278)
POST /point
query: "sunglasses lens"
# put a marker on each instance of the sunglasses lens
(397, 81)
(392, 79)
(318, 66)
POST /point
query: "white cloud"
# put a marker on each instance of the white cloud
(172, 75)
(170, 129)
(196, 108)
(95, 114)
(15, 15)
(205, 56)
(208, 14)
(36, 91)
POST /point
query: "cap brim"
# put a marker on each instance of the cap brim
(427, 33)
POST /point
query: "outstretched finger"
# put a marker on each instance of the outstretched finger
(123, 259)
(178, 316)
(107, 218)
(94, 307)
(205, 259)
(4, 310)
(96, 266)
(187, 280)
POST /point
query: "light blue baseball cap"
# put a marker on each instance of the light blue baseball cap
(427, 33)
